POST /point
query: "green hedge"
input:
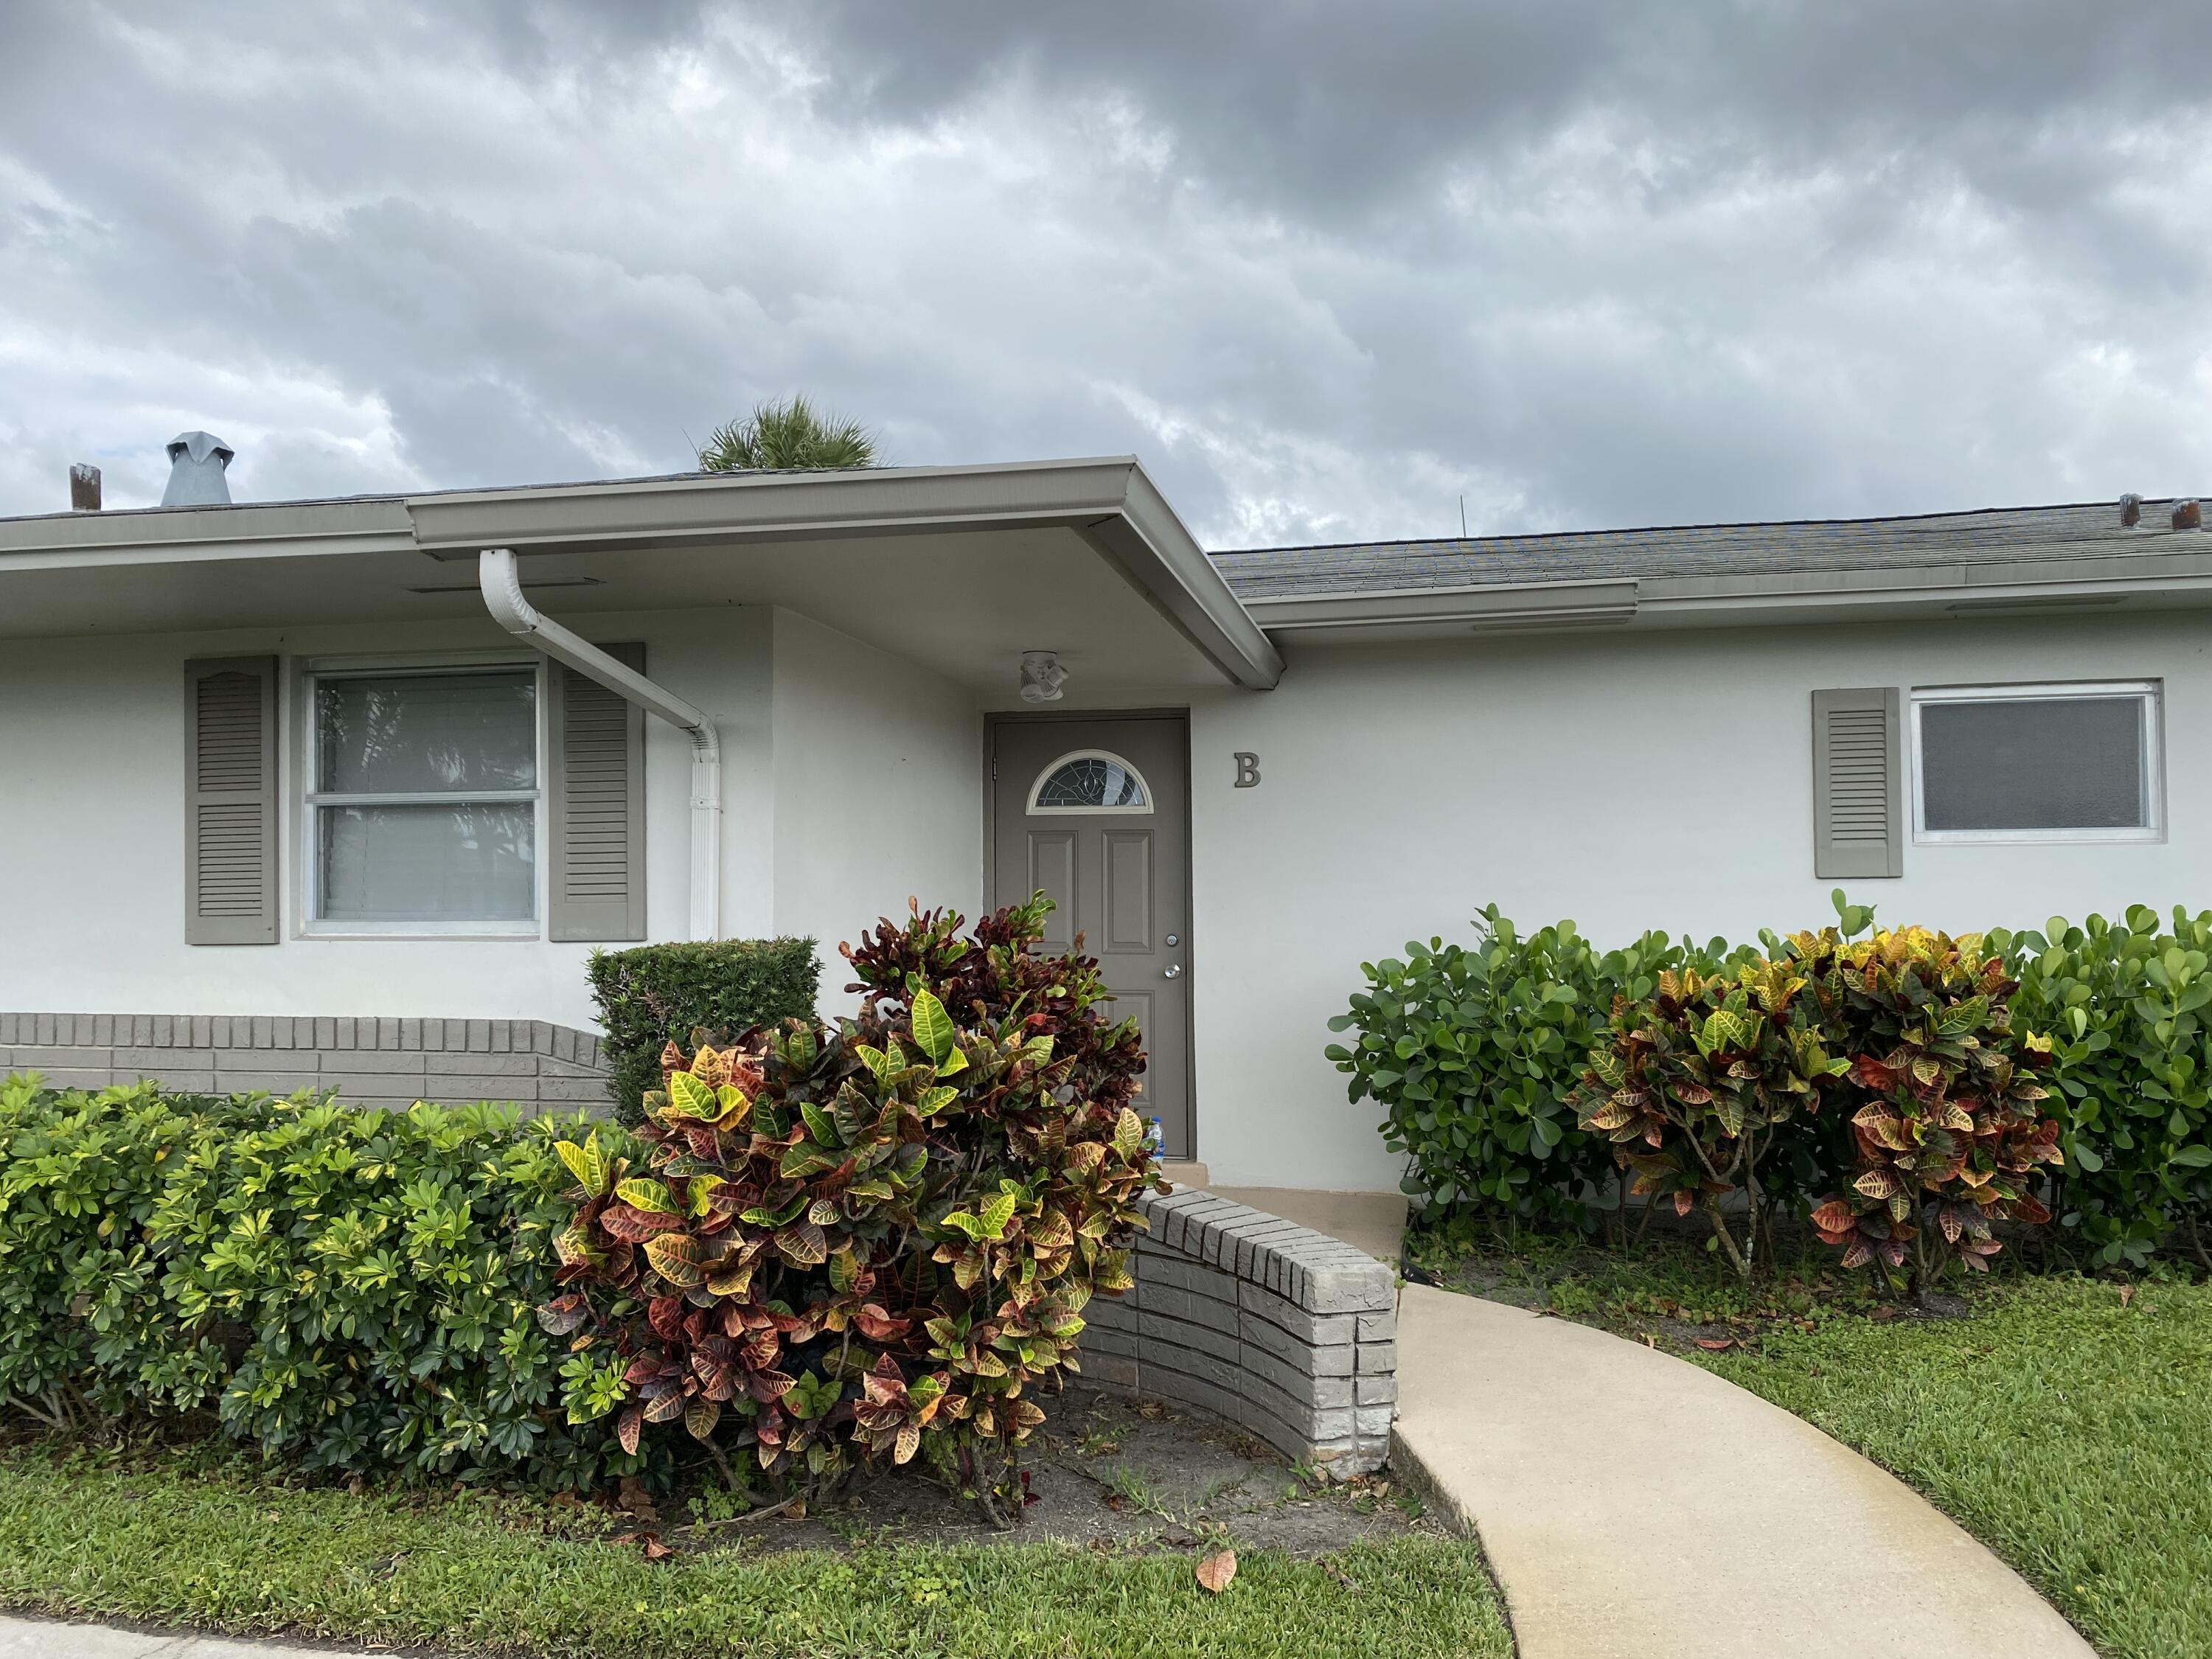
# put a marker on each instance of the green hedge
(2124, 1003)
(352, 1288)
(719, 989)
(1474, 1051)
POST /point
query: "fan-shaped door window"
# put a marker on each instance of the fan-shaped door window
(1090, 780)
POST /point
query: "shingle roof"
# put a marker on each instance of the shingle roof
(1995, 535)
(374, 496)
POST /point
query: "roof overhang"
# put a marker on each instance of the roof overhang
(2100, 582)
(1052, 547)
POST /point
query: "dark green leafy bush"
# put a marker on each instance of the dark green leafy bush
(714, 991)
(352, 1288)
(2123, 1004)
(1474, 1052)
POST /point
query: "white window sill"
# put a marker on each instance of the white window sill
(466, 932)
(2036, 837)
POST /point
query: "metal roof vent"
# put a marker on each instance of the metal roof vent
(197, 462)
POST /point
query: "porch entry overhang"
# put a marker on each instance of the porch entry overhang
(958, 569)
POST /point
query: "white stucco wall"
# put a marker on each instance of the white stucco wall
(1626, 781)
(879, 790)
(92, 779)
(851, 779)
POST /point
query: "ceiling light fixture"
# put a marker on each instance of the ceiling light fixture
(1042, 677)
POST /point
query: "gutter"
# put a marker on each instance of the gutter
(501, 587)
(1156, 555)
(1501, 606)
(1956, 589)
(188, 535)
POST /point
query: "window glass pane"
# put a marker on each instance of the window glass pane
(473, 863)
(2033, 763)
(1091, 781)
(411, 733)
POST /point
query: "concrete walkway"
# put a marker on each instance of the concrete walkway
(1633, 1504)
(1373, 1221)
(42, 1639)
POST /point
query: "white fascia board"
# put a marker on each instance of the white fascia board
(1532, 603)
(1780, 596)
(748, 507)
(276, 530)
(1970, 588)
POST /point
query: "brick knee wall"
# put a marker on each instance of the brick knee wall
(369, 1062)
(1260, 1322)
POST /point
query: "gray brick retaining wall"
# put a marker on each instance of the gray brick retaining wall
(369, 1062)
(1260, 1322)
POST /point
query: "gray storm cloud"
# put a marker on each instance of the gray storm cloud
(1326, 268)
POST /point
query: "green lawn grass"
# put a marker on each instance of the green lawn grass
(2070, 1432)
(195, 1540)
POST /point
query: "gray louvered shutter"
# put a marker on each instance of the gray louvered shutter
(1858, 784)
(597, 836)
(230, 800)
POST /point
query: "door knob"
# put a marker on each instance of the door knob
(1173, 971)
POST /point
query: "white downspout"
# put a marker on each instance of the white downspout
(502, 585)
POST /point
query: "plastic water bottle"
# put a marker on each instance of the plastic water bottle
(1155, 1141)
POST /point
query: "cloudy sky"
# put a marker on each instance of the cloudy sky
(1326, 268)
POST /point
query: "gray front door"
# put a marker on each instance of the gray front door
(1095, 813)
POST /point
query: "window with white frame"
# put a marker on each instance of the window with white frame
(423, 810)
(1090, 780)
(2037, 762)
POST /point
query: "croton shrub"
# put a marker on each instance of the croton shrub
(857, 1244)
(1693, 1085)
(1948, 1132)
(1899, 1044)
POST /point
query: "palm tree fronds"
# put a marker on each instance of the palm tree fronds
(790, 436)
